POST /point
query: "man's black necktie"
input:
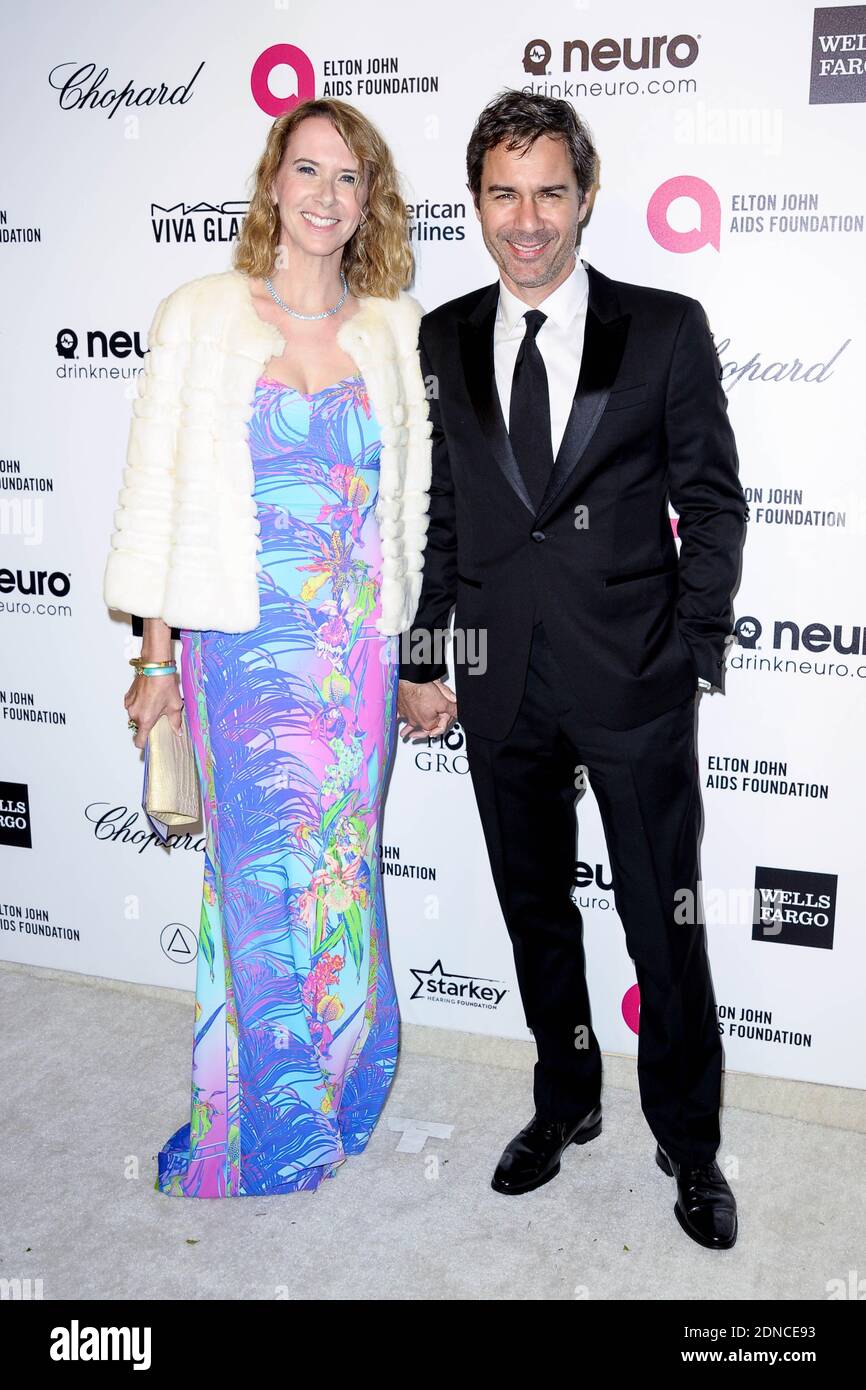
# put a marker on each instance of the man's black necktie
(529, 412)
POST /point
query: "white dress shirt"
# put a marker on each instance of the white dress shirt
(560, 342)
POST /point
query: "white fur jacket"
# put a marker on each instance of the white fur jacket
(185, 537)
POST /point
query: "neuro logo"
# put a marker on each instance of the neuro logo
(281, 55)
(704, 196)
(67, 342)
(748, 631)
(536, 56)
(605, 54)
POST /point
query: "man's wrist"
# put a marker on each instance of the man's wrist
(417, 674)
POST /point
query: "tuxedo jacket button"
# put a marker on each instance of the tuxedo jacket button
(539, 536)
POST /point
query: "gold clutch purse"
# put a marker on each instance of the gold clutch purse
(171, 792)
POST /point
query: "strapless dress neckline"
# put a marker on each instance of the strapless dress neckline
(308, 395)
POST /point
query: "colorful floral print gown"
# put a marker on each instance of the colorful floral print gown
(296, 1024)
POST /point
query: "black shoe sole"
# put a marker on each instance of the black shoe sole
(582, 1137)
(662, 1161)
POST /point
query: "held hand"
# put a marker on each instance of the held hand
(428, 709)
(148, 698)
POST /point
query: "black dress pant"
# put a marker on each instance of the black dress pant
(646, 783)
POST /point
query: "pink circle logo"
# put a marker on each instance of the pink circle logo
(708, 230)
(282, 55)
(631, 1008)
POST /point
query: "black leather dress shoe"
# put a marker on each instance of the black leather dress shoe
(705, 1207)
(532, 1158)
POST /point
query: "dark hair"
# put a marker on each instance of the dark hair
(516, 119)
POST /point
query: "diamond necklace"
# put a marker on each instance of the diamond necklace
(326, 313)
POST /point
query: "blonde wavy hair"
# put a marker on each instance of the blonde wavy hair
(377, 258)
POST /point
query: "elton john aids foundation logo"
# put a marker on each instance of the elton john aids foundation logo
(282, 55)
(631, 1008)
(703, 198)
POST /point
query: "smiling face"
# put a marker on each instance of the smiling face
(319, 189)
(530, 212)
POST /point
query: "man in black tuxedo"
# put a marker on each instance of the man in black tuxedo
(552, 537)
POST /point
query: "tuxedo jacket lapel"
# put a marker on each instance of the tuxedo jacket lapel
(603, 346)
(476, 351)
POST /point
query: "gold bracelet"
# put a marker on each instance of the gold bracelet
(139, 661)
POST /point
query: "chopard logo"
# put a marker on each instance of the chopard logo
(80, 89)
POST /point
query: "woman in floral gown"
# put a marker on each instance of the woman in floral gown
(292, 725)
(292, 721)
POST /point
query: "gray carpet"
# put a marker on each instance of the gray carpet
(96, 1079)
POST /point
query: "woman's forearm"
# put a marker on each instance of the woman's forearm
(155, 640)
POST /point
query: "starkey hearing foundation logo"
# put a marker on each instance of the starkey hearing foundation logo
(441, 986)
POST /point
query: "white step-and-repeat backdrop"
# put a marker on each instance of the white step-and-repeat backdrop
(731, 142)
